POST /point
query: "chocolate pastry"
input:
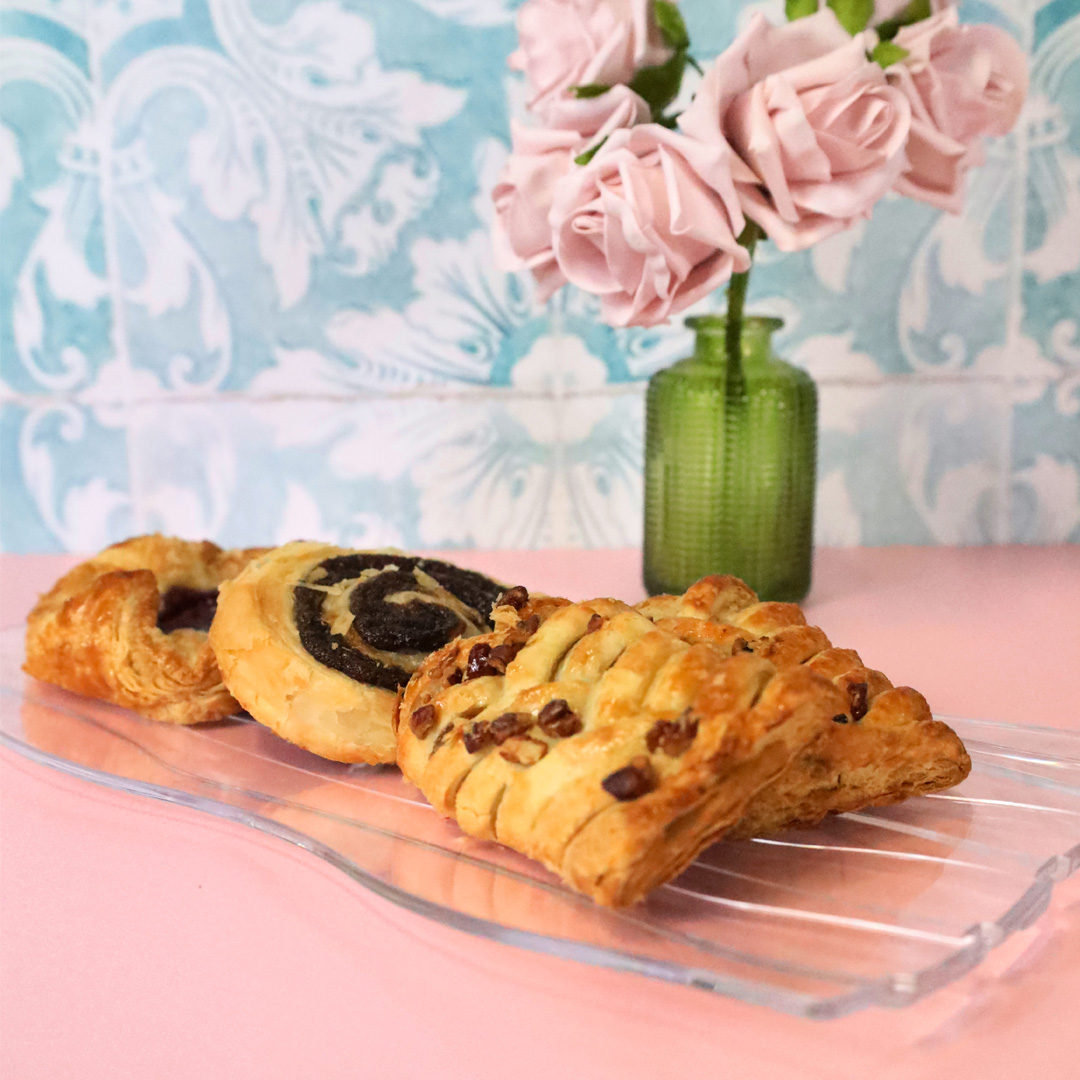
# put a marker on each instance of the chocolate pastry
(613, 747)
(315, 641)
(881, 747)
(129, 626)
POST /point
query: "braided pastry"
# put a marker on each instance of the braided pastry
(882, 747)
(607, 747)
(129, 626)
(316, 640)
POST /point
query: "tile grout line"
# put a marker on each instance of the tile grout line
(121, 340)
(1015, 309)
(453, 394)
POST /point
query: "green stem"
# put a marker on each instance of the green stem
(737, 301)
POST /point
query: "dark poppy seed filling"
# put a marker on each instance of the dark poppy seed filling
(182, 608)
(417, 626)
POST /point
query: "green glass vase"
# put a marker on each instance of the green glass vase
(730, 456)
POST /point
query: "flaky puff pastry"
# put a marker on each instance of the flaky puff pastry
(97, 632)
(315, 640)
(884, 746)
(608, 748)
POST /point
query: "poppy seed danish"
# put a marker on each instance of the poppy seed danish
(315, 640)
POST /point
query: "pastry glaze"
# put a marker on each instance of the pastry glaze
(676, 735)
(289, 638)
(883, 747)
(620, 742)
(97, 631)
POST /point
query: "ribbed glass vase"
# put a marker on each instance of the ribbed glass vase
(730, 466)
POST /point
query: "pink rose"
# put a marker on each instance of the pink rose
(650, 224)
(540, 158)
(962, 82)
(565, 43)
(594, 119)
(818, 132)
(523, 197)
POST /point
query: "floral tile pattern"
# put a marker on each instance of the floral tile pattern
(247, 292)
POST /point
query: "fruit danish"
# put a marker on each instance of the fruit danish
(883, 746)
(130, 625)
(608, 748)
(315, 640)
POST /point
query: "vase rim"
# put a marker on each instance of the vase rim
(706, 323)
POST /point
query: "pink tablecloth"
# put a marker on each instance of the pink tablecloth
(144, 940)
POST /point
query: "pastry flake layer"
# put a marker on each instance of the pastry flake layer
(606, 747)
(613, 744)
(885, 745)
(129, 626)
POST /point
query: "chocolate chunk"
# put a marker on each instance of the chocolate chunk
(423, 720)
(182, 608)
(524, 751)
(477, 736)
(508, 725)
(517, 597)
(596, 620)
(857, 693)
(558, 720)
(631, 781)
(673, 737)
(840, 718)
(478, 661)
(529, 625)
(739, 645)
(454, 677)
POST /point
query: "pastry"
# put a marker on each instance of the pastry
(882, 747)
(607, 747)
(130, 625)
(315, 641)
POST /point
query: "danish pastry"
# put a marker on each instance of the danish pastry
(315, 641)
(129, 626)
(607, 747)
(882, 747)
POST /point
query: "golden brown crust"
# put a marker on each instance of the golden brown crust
(95, 632)
(258, 648)
(269, 670)
(883, 747)
(612, 749)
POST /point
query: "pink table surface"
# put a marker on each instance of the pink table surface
(143, 940)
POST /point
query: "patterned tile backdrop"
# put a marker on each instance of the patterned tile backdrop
(247, 292)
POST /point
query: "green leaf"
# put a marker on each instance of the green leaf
(915, 12)
(799, 9)
(584, 159)
(887, 53)
(589, 90)
(672, 27)
(853, 14)
(659, 85)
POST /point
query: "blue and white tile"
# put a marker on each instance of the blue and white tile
(520, 470)
(65, 480)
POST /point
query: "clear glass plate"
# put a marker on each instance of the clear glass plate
(879, 907)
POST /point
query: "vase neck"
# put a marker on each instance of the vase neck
(710, 331)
